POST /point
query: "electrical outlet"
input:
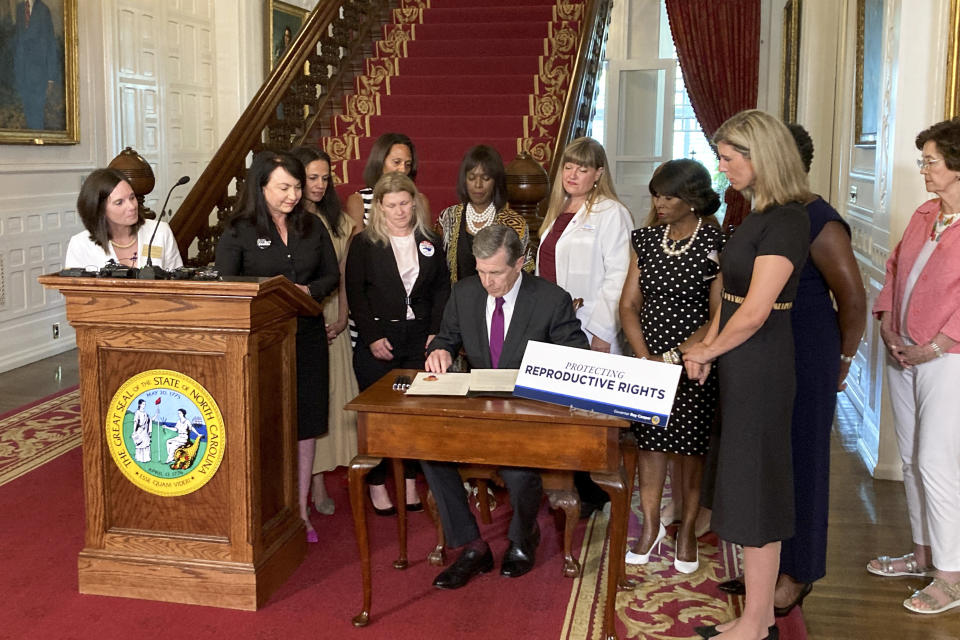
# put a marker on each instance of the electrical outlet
(56, 330)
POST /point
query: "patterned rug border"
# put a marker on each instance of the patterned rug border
(584, 614)
(35, 434)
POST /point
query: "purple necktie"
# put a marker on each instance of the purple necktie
(496, 334)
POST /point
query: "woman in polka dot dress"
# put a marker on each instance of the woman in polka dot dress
(669, 295)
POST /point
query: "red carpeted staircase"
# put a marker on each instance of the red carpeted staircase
(454, 73)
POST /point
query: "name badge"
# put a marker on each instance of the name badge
(426, 248)
(263, 243)
(156, 251)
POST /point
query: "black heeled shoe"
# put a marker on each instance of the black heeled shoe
(780, 612)
(710, 631)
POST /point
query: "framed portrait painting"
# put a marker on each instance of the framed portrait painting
(283, 25)
(38, 72)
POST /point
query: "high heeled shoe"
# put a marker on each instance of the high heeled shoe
(682, 565)
(644, 558)
(709, 631)
(780, 612)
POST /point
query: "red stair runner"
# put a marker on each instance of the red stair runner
(451, 74)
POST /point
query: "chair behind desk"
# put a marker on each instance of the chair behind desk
(561, 494)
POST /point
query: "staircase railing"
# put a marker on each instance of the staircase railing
(282, 112)
(582, 92)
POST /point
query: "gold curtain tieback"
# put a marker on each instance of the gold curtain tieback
(778, 306)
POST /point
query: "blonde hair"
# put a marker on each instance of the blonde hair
(768, 144)
(395, 182)
(585, 152)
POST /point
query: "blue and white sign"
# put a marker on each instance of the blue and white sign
(621, 386)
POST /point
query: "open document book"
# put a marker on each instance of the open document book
(479, 382)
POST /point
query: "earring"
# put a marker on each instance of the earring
(692, 209)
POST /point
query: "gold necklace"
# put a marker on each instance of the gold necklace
(125, 246)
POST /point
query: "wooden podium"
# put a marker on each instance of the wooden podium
(234, 540)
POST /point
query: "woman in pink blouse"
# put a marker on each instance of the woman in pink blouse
(919, 313)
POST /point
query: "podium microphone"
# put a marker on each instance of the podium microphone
(150, 272)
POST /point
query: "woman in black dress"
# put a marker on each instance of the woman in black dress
(397, 286)
(272, 234)
(752, 341)
(668, 297)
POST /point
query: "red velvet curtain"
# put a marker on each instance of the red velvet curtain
(718, 46)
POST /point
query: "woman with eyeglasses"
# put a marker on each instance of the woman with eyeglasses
(919, 313)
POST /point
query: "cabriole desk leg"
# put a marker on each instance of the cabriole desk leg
(360, 466)
(616, 487)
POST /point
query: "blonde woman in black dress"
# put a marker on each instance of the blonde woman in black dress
(670, 293)
(752, 341)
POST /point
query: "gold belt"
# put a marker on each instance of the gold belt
(779, 306)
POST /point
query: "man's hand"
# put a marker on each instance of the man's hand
(438, 361)
(382, 349)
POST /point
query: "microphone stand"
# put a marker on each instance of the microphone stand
(150, 272)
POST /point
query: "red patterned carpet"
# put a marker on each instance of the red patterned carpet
(41, 534)
(665, 604)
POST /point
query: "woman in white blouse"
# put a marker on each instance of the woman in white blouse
(585, 241)
(114, 228)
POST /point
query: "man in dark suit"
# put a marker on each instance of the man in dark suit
(492, 316)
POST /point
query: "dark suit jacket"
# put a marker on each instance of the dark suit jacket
(375, 291)
(309, 260)
(543, 312)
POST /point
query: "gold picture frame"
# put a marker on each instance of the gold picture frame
(281, 17)
(790, 60)
(39, 101)
(869, 71)
(952, 101)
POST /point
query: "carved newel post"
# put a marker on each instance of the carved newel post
(527, 186)
(139, 174)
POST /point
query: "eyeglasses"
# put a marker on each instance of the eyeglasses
(925, 164)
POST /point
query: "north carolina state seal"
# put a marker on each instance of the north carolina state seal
(165, 432)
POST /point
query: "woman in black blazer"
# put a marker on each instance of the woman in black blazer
(397, 286)
(272, 234)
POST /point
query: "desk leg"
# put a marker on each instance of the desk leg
(360, 466)
(401, 502)
(569, 501)
(615, 486)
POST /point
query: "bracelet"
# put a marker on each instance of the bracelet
(846, 359)
(936, 349)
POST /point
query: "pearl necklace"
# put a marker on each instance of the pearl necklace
(666, 242)
(477, 221)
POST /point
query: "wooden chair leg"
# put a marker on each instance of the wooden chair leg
(437, 557)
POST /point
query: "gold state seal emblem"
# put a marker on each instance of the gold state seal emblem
(165, 432)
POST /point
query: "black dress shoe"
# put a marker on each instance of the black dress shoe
(389, 511)
(734, 587)
(519, 558)
(418, 506)
(780, 612)
(470, 563)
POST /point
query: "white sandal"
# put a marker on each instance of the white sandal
(910, 563)
(952, 591)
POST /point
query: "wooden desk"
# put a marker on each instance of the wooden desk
(496, 431)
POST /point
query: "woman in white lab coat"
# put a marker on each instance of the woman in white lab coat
(585, 242)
